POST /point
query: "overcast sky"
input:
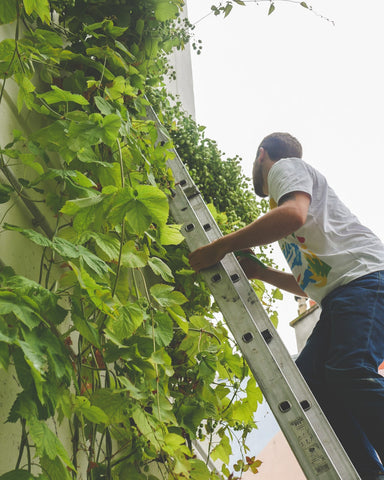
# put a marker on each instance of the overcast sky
(295, 71)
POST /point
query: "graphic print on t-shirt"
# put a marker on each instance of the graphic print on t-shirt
(305, 265)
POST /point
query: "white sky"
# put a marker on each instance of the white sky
(294, 71)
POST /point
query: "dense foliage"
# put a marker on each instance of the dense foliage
(116, 342)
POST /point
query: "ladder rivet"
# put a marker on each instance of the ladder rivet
(267, 335)
(207, 227)
(216, 278)
(284, 406)
(247, 337)
(235, 278)
(305, 405)
(189, 227)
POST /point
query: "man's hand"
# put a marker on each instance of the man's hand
(252, 267)
(207, 256)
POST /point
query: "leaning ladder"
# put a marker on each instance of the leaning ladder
(303, 423)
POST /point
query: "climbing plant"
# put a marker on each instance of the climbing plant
(116, 342)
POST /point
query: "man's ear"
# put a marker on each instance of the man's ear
(262, 154)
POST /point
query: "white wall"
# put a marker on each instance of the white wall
(17, 252)
(183, 85)
(304, 325)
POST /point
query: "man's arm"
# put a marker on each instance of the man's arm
(283, 220)
(282, 280)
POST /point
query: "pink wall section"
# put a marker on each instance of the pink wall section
(279, 462)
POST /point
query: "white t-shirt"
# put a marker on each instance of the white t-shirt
(332, 248)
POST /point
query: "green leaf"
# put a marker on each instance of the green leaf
(104, 106)
(114, 405)
(165, 10)
(11, 303)
(46, 442)
(30, 160)
(277, 294)
(113, 30)
(129, 387)
(140, 26)
(94, 414)
(171, 235)
(303, 4)
(254, 394)
(155, 201)
(150, 429)
(163, 329)
(59, 362)
(178, 315)
(5, 193)
(54, 469)
(199, 470)
(26, 88)
(120, 202)
(228, 9)
(271, 9)
(173, 442)
(138, 217)
(242, 411)
(25, 406)
(77, 116)
(274, 318)
(4, 355)
(34, 354)
(222, 451)
(166, 296)
(110, 129)
(17, 475)
(8, 11)
(71, 207)
(40, 7)
(87, 330)
(57, 95)
(126, 322)
(161, 357)
(68, 250)
(109, 245)
(133, 258)
(99, 295)
(83, 135)
(160, 268)
(23, 371)
(87, 155)
(36, 237)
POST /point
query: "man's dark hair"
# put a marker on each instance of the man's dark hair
(281, 145)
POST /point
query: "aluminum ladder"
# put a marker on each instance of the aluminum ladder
(304, 425)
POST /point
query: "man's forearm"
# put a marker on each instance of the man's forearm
(282, 280)
(272, 226)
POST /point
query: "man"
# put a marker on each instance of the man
(338, 262)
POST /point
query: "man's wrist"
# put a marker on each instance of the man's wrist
(223, 245)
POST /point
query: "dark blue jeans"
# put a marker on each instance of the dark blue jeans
(340, 364)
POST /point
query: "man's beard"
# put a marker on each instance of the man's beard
(258, 181)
